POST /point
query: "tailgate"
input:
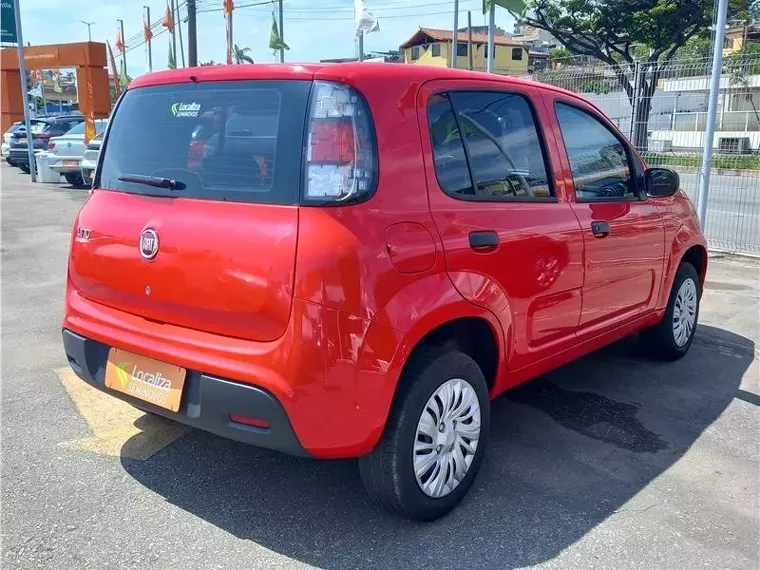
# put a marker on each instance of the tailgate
(220, 267)
(206, 244)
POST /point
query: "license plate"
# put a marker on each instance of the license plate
(91, 175)
(141, 377)
(70, 163)
(21, 141)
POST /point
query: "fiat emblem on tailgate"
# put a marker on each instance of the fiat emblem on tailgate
(148, 244)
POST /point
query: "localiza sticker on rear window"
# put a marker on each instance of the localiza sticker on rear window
(186, 109)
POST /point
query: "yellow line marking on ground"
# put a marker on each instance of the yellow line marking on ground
(117, 428)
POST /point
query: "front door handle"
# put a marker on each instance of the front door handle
(600, 229)
(484, 240)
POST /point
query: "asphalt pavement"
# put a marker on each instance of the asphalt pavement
(612, 462)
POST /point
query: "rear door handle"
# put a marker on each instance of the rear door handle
(484, 240)
(600, 229)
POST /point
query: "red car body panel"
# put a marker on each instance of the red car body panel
(322, 306)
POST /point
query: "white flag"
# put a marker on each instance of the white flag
(366, 22)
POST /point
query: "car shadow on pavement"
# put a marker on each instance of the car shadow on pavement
(567, 451)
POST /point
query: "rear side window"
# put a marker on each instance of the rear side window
(239, 141)
(486, 146)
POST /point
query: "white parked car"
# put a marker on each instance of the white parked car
(66, 152)
(90, 159)
(7, 136)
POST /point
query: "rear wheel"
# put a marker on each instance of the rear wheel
(671, 338)
(74, 178)
(435, 438)
(24, 168)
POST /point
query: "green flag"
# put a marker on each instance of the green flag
(172, 64)
(275, 41)
(514, 6)
(123, 78)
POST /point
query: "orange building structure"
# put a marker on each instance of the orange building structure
(89, 59)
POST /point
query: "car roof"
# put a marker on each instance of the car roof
(335, 71)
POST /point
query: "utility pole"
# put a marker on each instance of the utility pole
(361, 46)
(178, 23)
(124, 51)
(148, 42)
(229, 37)
(192, 35)
(469, 39)
(712, 110)
(491, 31)
(282, 38)
(174, 33)
(89, 33)
(25, 91)
(455, 35)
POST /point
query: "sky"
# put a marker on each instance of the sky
(314, 29)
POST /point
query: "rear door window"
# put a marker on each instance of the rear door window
(239, 141)
(487, 147)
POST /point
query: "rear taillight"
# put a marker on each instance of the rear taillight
(341, 156)
(51, 145)
(43, 136)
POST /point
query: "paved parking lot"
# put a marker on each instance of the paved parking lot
(613, 462)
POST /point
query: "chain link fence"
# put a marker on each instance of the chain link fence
(662, 108)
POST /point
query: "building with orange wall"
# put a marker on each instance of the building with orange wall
(89, 59)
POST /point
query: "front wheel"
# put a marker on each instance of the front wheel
(671, 338)
(435, 438)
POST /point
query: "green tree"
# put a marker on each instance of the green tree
(612, 31)
(171, 64)
(240, 55)
(560, 56)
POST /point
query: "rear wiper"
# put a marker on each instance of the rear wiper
(156, 181)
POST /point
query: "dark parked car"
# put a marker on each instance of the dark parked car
(42, 130)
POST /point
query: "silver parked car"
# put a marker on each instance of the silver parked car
(90, 159)
(66, 152)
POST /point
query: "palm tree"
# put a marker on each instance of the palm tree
(240, 55)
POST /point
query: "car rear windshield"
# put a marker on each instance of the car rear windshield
(239, 141)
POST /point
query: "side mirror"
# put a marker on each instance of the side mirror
(661, 182)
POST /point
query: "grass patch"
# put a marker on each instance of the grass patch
(722, 161)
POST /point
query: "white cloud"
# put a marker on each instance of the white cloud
(314, 29)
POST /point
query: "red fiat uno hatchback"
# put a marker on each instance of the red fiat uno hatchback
(363, 255)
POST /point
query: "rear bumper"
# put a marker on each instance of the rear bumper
(60, 168)
(207, 401)
(19, 157)
(330, 371)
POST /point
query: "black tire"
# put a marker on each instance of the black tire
(24, 168)
(388, 471)
(75, 179)
(659, 340)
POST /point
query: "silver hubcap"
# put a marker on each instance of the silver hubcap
(685, 312)
(447, 438)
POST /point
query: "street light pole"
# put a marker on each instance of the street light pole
(25, 91)
(712, 111)
(89, 32)
(192, 35)
(282, 37)
(491, 32)
(455, 35)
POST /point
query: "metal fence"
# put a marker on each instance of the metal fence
(663, 110)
